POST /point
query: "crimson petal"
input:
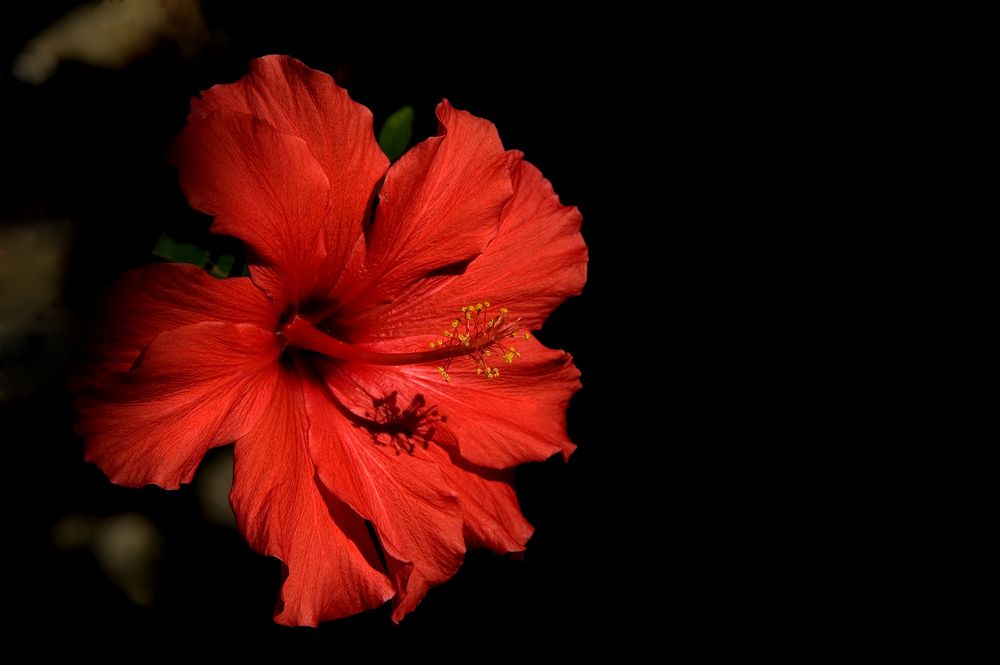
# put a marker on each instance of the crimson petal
(439, 207)
(195, 387)
(519, 417)
(537, 260)
(331, 565)
(265, 188)
(308, 104)
(490, 512)
(145, 302)
(407, 498)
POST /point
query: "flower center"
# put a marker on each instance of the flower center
(478, 335)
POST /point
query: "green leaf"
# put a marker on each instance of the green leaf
(223, 265)
(167, 248)
(396, 133)
(183, 252)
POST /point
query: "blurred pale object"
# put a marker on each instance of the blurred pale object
(213, 483)
(126, 547)
(111, 34)
(35, 328)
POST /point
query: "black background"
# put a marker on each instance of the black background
(89, 145)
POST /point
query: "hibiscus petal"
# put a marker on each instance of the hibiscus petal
(263, 187)
(308, 104)
(440, 205)
(519, 417)
(516, 418)
(406, 497)
(537, 260)
(490, 511)
(145, 302)
(195, 387)
(332, 567)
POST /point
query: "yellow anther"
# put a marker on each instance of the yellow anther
(527, 335)
(481, 337)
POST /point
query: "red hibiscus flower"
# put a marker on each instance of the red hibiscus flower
(374, 367)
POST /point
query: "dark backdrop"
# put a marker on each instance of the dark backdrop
(88, 145)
